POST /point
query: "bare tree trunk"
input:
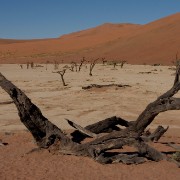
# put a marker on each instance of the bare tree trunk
(122, 63)
(47, 62)
(82, 61)
(49, 136)
(62, 76)
(92, 66)
(72, 66)
(104, 61)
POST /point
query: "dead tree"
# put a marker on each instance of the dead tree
(49, 136)
(71, 68)
(122, 63)
(47, 62)
(62, 76)
(104, 85)
(56, 65)
(76, 66)
(93, 63)
(114, 64)
(104, 61)
(27, 65)
(82, 61)
(32, 65)
(21, 66)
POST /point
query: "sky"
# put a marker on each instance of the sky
(35, 19)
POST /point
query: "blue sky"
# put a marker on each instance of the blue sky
(27, 19)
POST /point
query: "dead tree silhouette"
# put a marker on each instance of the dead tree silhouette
(92, 64)
(62, 76)
(82, 61)
(122, 63)
(49, 136)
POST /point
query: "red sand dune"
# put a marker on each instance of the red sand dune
(156, 42)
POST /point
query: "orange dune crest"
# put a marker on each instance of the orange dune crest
(155, 42)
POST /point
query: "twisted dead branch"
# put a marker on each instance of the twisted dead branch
(93, 63)
(82, 61)
(50, 137)
(62, 76)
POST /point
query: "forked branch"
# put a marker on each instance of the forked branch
(82, 61)
(93, 63)
(62, 76)
(49, 136)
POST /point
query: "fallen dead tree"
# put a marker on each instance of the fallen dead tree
(104, 85)
(49, 136)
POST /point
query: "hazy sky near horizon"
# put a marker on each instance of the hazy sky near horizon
(27, 19)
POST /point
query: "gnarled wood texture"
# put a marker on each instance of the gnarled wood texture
(49, 136)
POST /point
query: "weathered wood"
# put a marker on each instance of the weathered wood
(93, 63)
(177, 148)
(30, 115)
(82, 61)
(156, 135)
(81, 129)
(107, 158)
(49, 136)
(105, 126)
(108, 125)
(163, 103)
(175, 158)
(61, 73)
(105, 85)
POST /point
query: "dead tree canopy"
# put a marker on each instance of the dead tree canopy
(71, 68)
(104, 61)
(104, 85)
(49, 136)
(122, 63)
(82, 61)
(61, 73)
(93, 63)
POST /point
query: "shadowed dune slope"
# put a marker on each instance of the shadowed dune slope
(155, 42)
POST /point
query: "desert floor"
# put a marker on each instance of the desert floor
(84, 107)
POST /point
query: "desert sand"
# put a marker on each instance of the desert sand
(84, 107)
(155, 42)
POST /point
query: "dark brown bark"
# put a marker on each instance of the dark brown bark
(62, 76)
(156, 135)
(92, 66)
(82, 61)
(122, 63)
(30, 115)
(105, 126)
(81, 129)
(72, 66)
(49, 136)
(104, 61)
(105, 85)
(177, 148)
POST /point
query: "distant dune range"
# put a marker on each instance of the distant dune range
(155, 42)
